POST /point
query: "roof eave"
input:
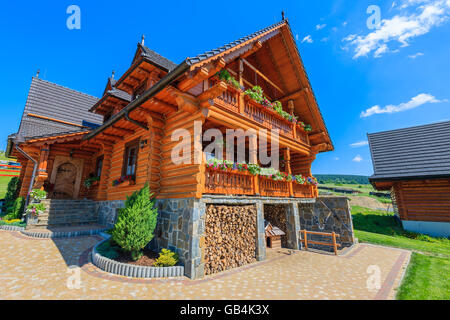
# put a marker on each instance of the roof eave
(160, 85)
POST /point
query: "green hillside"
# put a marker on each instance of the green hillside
(341, 179)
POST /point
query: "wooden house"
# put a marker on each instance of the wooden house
(143, 110)
(414, 164)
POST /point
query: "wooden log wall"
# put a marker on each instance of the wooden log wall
(180, 180)
(301, 164)
(423, 200)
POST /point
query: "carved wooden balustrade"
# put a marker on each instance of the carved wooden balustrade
(267, 118)
(233, 182)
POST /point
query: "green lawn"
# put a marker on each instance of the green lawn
(426, 277)
(3, 186)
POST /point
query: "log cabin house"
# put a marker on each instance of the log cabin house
(126, 141)
(414, 165)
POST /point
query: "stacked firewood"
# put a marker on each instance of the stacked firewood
(230, 237)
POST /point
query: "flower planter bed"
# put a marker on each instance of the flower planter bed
(132, 270)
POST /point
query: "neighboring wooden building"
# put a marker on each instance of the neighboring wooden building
(414, 164)
(155, 98)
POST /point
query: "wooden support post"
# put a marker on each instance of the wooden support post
(305, 239)
(333, 235)
(287, 159)
(241, 83)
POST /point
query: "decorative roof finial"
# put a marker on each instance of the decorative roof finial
(282, 15)
(112, 74)
(143, 39)
(37, 73)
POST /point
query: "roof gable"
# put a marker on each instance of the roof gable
(47, 101)
(154, 58)
(422, 151)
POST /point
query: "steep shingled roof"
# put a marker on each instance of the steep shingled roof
(422, 151)
(157, 59)
(50, 100)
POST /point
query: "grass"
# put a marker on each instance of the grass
(365, 190)
(430, 263)
(426, 279)
(3, 186)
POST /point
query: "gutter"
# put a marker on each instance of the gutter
(159, 86)
(33, 176)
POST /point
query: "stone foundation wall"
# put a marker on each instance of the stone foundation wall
(107, 211)
(180, 224)
(328, 214)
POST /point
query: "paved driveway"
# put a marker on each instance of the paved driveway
(39, 269)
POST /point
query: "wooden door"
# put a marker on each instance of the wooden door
(65, 181)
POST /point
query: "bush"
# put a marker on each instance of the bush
(166, 258)
(17, 209)
(108, 250)
(11, 194)
(136, 223)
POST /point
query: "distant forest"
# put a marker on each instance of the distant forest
(341, 179)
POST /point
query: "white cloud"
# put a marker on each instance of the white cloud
(413, 56)
(336, 158)
(402, 27)
(359, 144)
(415, 102)
(307, 39)
(358, 158)
(320, 26)
(344, 23)
(325, 39)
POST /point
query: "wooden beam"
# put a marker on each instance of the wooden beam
(262, 75)
(256, 46)
(123, 131)
(294, 95)
(192, 80)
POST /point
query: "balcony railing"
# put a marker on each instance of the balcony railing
(234, 182)
(267, 118)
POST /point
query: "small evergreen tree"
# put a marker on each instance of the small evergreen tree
(136, 223)
(11, 194)
(18, 208)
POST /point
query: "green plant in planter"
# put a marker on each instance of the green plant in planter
(38, 194)
(11, 194)
(166, 258)
(227, 77)
(136, 223)
(89, 181)
(35, 209)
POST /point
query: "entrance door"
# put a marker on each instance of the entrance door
(65, 181)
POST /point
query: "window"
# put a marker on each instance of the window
(130, 158)
(98, 167)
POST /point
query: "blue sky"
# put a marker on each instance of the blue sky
(365, 80)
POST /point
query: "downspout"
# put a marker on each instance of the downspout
(33, 176)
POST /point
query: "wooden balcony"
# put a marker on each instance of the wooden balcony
(267, 118)
(233, 182)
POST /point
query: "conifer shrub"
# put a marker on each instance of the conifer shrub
(166, 258)
(11, 194)
(136, 223)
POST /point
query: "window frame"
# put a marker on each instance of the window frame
(131, 144)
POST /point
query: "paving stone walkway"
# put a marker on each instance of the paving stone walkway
(40, 269)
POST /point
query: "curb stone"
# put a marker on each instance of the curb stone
(129, 270)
